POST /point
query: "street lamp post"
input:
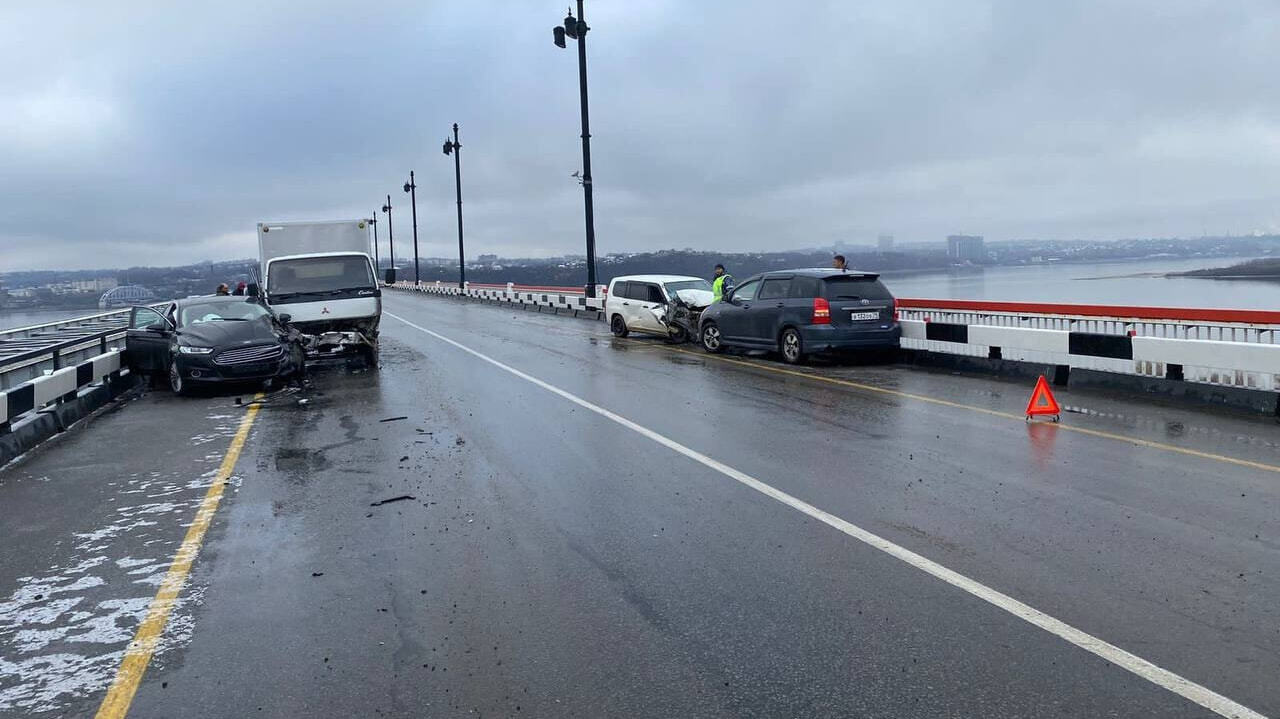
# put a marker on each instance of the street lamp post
(377, 264)
(391, 238)
(453, 147)
(577, 29)
(412, 188)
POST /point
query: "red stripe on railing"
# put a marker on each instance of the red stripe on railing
(1177, 314)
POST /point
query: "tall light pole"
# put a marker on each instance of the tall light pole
(377, 264)
(391, 238)
(577, 29)
(455, 148)
(412, 188)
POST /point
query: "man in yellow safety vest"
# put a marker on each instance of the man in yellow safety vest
(717, 284)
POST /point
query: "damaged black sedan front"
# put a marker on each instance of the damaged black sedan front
(204, 341)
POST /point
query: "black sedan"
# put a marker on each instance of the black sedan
(210, 340)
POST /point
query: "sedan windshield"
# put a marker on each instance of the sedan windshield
(198, 313)
(674, 287)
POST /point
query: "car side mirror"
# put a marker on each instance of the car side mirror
(285, 318)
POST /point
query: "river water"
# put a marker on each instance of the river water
(10, 319)
(1116, 283)
(1113, 283)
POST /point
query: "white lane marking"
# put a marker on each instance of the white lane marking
(1159, 676)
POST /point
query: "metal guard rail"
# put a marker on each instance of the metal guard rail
(1224, 347)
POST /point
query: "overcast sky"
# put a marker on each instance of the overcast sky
(161, 132)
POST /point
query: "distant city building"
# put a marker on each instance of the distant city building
(966, 248)
(487, 259)
(101, 284)
(884, 243)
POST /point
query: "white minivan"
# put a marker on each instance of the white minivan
(656, 304)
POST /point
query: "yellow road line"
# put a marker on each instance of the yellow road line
(134, 665)
(983, 410)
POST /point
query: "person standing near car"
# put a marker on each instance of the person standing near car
(240, 289)
(717, 284)
(223, 290)
(838, 263)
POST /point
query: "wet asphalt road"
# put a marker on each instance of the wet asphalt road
(552, 563)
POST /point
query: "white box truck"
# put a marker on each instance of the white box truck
(319, 277)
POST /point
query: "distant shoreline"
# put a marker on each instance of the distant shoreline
(1267, 268)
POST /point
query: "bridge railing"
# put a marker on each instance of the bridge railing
(49, 363)
(1223, 347)
(1233, 348)
(35, 350)
(571, 299)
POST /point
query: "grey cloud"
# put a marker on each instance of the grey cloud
(161, 132)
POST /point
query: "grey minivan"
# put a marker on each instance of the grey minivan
(803, 312)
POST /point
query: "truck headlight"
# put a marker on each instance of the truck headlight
(189, 350)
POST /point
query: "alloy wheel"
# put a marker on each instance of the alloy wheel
(711, 338)
(791, 349)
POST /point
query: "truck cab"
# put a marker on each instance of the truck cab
(325, 292)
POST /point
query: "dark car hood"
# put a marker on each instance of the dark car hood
(223, 334)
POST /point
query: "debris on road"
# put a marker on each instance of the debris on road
(317, 574)
(401, 498)
(393, 419)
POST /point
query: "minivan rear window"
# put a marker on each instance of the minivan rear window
(856, 287)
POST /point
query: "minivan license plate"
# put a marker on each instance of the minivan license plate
(865, 316)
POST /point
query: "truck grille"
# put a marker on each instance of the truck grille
(244, 355)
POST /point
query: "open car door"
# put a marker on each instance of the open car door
(146, 343)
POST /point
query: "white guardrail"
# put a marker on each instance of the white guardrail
(51, 362)
(1231, 348)
(59, 385)
(555, 298)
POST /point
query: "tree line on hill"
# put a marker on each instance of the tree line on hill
(697, 264)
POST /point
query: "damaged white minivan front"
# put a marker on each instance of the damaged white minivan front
(665, 305)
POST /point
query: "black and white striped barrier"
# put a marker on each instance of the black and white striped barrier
(555, 298)
(1248, 365)
(60, 385)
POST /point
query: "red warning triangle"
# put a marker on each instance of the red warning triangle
(1042, 401)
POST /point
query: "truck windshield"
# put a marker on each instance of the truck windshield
(319, 274)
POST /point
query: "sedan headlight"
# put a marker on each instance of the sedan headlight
(189, 350)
